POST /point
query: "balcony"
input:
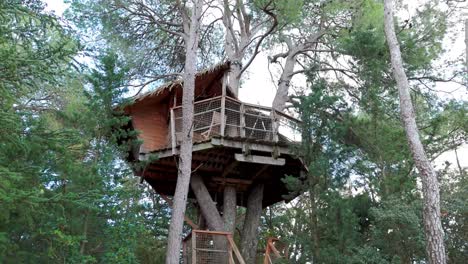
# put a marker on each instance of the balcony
(226, 117)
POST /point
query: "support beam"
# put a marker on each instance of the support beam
(260, 172)
(207, 205)
(229, 168)
(260, 159)
(231, 181)
(232, 143)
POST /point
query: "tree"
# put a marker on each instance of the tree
(430, 185)
(191, 24)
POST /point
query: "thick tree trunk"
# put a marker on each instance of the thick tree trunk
(281, 96)
(185, 157)
(431, 213)
(207, 205)
(249, 237)
(229, 208)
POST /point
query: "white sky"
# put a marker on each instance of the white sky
(259, 88)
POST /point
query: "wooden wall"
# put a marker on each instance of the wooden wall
(151, 121)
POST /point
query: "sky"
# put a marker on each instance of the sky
(258, 86)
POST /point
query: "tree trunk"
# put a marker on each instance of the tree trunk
(229, 208)
(435, 248)
(249, 238)
(314, 223)
(281, 96)
(207, 205)
(185, 158)
(234, 76)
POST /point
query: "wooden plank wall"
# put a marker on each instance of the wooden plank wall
(151, 120)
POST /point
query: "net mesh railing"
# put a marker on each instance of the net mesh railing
(210, 247)
(229, 117)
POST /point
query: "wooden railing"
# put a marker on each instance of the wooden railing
(209, 247)
(275, 250)
(227, 117)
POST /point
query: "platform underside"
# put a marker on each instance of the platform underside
(215, 161)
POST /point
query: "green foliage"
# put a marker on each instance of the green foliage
(65, 194)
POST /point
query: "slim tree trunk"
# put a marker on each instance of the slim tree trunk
(435, 248)
(185, 159)
(249, 238)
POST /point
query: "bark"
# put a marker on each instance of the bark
(249, 236)
(242, 37)
(191, 27)
(281, 96)
(229, 208)
(207, 205)
(435, 248)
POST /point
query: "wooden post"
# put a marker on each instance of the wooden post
(239, 257)
(223, 106)
(242, 120)
(230, 256)
(173, 133)
(194, 247)
(274, 125)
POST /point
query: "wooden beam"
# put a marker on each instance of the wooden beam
(236, 250)
(260, 172)
(232, 181)
(252, 146)
(260, 159)
(229, 169)
(168, 152)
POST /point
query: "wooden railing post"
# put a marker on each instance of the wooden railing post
(223, 104)
(223, 115)
(173, 133)
(242, 120)
(274, 125)
(194, 247)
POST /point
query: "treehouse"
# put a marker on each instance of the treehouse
(234, 143)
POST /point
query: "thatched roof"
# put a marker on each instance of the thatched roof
(202, 77)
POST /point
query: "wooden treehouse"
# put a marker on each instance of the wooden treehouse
(235, 144)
